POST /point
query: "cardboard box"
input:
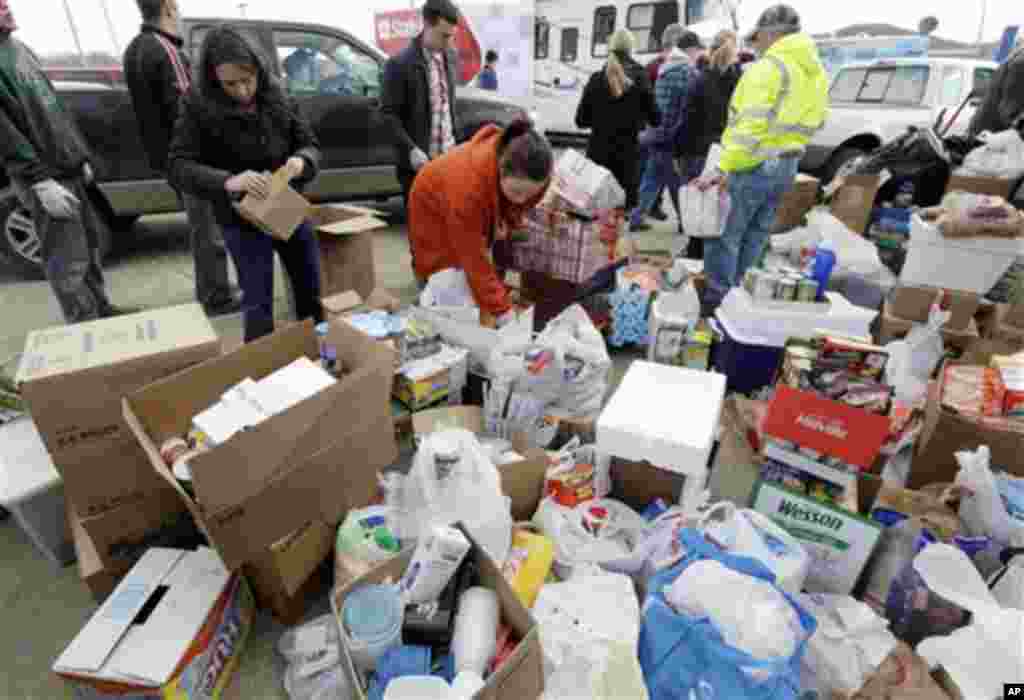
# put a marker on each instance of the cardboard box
(101, 580)
(520, 677)
(345, 235)
(73, 379)
(838, 541)
(416, 395)
(280, 213)
(175, 627)
(994, 186)
(796, 203)
(946, 432)
(853, 201)
(313, 461)
(914, 304)
(281, 579)
(891, 328)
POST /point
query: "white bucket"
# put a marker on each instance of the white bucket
(370, 621)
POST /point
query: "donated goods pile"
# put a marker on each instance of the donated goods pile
(859, 537)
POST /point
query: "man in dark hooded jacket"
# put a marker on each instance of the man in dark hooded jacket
(48, 164)
(1004, 102)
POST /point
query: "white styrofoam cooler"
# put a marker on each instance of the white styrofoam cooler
(33, 491)
(967, 264)
(775, 325)
(668, 416)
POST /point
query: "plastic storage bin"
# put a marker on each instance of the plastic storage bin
(33, 491)
(970, 265)
(777, 324)
(748, 362)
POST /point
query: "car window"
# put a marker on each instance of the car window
(648, 21)
(952, 88)
(541, 39)
(903, 85)
(604, 27)
(570, 44)
(318, 64)
(198, 33)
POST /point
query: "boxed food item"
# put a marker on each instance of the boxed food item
(176, 626)
(73, 378)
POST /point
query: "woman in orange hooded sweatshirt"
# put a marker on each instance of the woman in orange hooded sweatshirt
(470, 198)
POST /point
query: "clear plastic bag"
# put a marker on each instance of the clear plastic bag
(705, 210)
(983, 511)
(913, 359)
(313, 653)
(1000, 155)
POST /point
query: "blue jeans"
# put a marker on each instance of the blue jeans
(253, 254)
(755, 196)
(659, 173)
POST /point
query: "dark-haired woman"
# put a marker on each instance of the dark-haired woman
(470, 198)
(235, 128)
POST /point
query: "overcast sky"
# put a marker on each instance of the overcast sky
(44, 25)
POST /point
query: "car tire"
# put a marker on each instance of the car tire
(840, 158)
(20, 247)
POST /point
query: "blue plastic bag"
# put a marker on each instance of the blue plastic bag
(685, 658)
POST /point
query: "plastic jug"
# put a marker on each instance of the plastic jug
(824, 261)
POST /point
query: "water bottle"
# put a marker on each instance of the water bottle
(824, 261)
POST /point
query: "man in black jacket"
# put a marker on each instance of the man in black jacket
(1004, 101)
(419, 93)
(158, 73)
(47, 161)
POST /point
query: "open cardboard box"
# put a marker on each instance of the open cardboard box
(796, 203)
(520, 677)
(914, 304)
(73, 379)
(891, 327)
(345, 236)
(311, 462)
(854, 199)
(993, 186)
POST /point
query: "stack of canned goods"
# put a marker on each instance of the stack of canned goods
(780, 285)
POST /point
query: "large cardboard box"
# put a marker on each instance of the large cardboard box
(914, 304)
(73, 379)
(796, 203)
(993, 186)
(176, 626)
(520, 677)
(312, 462)
(891, 327)
(281, 578)
(345, 235)
(947, 431)
(853, 201)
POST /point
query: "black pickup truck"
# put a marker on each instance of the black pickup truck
(336, 79)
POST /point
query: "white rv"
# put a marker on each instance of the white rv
(570, 42)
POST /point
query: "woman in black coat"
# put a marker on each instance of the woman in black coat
(617, 103)
(235, 128)
(707, 112)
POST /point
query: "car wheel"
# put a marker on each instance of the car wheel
(837, 161)
(19, 243)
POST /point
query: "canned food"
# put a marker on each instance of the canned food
(766, 286)
(172, 449)
(786, 289)
(807, 290)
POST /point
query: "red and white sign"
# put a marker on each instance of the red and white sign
(395, 29)
(830, 427)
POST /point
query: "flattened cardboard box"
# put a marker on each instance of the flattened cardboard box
(520, 677)
(73, 379)
(345, 235)
(314, 461)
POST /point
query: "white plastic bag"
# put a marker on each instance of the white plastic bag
(983, 512)
(453, 480)
(589, 628)
(1001, 155)
(913, 359)
(585, 185)
(448, 287)
(313, 653)
(748, 533)
(704, 212)
(577, 545)
(854, 254)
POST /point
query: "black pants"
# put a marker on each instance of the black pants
(209, 254)
(253, 254)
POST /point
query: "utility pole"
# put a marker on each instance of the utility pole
(74, 32)
(110, 27)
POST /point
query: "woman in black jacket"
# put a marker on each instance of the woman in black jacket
(617, 103)
(707, 112)
(235, 128)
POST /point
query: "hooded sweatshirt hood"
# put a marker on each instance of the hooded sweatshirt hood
(801, 56)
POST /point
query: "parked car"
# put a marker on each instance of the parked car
(338, 89)
(873, 103)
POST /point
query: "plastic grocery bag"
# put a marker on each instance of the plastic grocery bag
(983, 512)
(586, 186)
(854, 254)
(704, 211)
(1000, 155)
(913, 359)
(313, 653)
(589, 627)
(686, 657)
(579, 543)
(453, 480)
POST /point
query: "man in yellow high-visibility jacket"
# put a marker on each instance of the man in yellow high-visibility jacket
(780, 102)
